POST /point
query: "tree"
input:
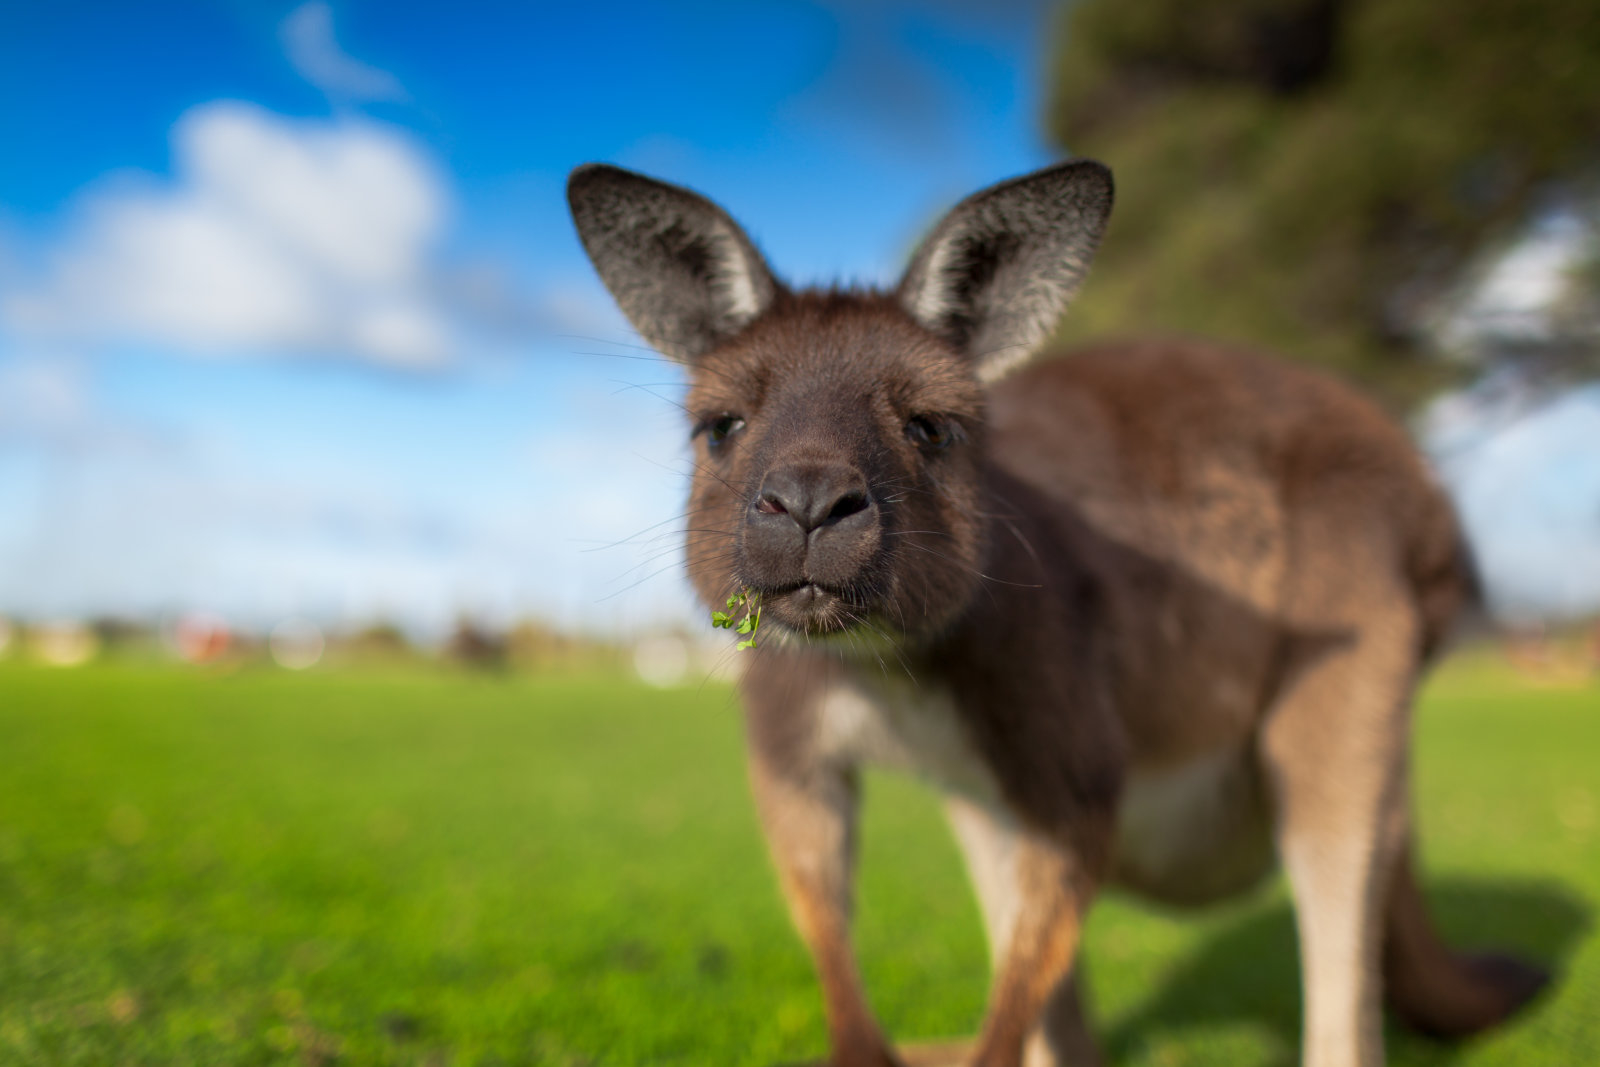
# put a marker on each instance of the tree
(1316, 176)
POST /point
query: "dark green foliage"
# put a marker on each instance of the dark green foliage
(431, 866)
(1312, 175)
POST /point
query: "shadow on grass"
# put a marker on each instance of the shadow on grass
(1249, 973)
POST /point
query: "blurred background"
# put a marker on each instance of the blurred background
(311, 407)
(294, 328)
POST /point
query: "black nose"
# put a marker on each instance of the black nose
(813, 495)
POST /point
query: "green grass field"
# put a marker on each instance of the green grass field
(435, 868)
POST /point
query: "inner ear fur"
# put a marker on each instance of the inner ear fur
(996, 274)
(683, 272)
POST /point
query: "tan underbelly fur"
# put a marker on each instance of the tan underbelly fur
(1197, 832)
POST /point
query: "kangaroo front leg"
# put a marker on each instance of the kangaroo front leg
(1052, 896)
(809, 818)
(990, 840)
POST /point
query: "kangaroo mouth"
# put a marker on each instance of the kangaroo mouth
(811, 608)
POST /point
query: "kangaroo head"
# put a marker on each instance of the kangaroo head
(839, 435)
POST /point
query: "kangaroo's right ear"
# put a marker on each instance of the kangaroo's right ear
(682, 271)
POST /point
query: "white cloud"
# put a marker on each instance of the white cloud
(578, 524)
(199, 535)
(274, 234)
(312, 50)
(1511, 296)
(41, 398)
(1528, 490)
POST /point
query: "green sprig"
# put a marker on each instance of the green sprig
(750, 601)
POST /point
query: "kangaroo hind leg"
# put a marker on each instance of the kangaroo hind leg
(1334, 748)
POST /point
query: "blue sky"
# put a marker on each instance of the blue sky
(456, 420)
(293, 322)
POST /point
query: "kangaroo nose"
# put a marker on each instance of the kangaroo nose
(813, 496)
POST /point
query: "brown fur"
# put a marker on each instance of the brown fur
(1179, 535)
(1153, 613)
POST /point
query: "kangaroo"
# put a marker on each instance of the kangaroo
(1151, 615)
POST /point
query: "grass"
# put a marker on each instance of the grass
(431, 868)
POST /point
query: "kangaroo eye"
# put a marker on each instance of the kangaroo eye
(930, 434)
(721, 428)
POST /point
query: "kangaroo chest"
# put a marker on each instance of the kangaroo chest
(1192, 833)
(901, 725)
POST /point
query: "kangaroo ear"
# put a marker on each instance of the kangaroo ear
(996, 274)
(682, 271)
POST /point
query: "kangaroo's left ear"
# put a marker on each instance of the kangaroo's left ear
(996, 274)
